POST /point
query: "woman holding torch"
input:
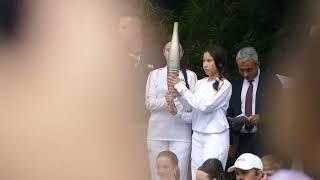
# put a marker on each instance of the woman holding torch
(209, 102)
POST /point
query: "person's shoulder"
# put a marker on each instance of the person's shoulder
(237, 82)
(156, 71)
(227, 82)
(191, 73)
(202, 80)
(267, 74)
(270, 78)
(160, 69)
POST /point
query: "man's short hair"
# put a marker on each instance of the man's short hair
(247, 54)
(271, 163)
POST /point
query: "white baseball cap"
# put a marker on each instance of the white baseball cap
(247, 161)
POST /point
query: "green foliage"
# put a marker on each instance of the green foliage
(231, 23)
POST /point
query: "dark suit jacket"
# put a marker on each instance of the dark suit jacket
(268, 87)
(136, 78)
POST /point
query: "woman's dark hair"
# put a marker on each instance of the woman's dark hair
(184, 72)
(213, 168)
(220, 59)
(219, 55)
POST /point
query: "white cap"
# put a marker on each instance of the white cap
(247, 161)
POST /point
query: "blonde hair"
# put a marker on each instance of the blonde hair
(174, 160)
(270, 163)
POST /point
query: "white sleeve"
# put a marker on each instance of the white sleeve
(153, 103)
(192, 83)
(209, 103)
(186, 113)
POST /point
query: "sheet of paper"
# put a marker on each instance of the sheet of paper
(238, 119)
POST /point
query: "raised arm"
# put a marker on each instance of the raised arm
(207, 104)
(192, 80)
(185, 113)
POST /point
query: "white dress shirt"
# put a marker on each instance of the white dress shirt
(244, 90)
(163, 125)
(209, 106)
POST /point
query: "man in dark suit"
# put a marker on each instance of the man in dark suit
(142, 57)
(139, 57)
(249, 98)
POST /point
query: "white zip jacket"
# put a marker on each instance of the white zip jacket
(163, 125)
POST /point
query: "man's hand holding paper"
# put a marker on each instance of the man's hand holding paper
(254, 119)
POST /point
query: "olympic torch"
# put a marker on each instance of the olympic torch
(173, 63)
(174, 52)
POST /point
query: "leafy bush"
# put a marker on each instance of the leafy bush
(231, 23)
